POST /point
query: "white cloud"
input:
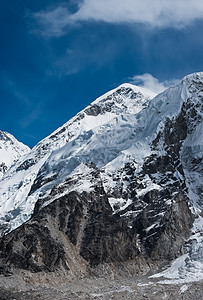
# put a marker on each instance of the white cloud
(151, 83)
(52, 23)
(161, 13)
(156, 12)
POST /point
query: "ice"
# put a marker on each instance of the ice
(188, 267)
(148, 186)
(184, 288)
(119, 203)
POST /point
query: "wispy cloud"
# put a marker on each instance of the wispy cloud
(17, 91)
(151, 83)
(31, 117)
(52, 23)
(161, 13)
(26, 101)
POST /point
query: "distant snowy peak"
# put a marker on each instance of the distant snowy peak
(125, 99)
(10, 150)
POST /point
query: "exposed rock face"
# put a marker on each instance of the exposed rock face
(83, 221)
(3, 168)
(120, 182)
(80, 227)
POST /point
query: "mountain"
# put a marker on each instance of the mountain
(19, 187)
(120, 184)
(10, 151)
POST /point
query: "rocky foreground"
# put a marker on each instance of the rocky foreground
(29, 287)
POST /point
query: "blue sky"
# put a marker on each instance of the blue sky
(58, 56)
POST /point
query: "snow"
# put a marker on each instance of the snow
(198, 225)
(120, 203)
(193, 148)
(14, 197)
(146, 93)
(183, 288)
(145, 284)
(10, 150)
(180, 273)
(150, 227)
(148, 186)
(188, 267)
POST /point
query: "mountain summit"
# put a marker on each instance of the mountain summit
(10, 151)
(121, 182)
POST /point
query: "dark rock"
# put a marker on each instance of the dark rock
(89, 226)
(26, 164)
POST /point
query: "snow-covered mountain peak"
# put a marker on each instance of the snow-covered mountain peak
(126, 91)
(10, 150)
(125, 99)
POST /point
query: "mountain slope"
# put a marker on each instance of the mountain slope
(120, 181)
